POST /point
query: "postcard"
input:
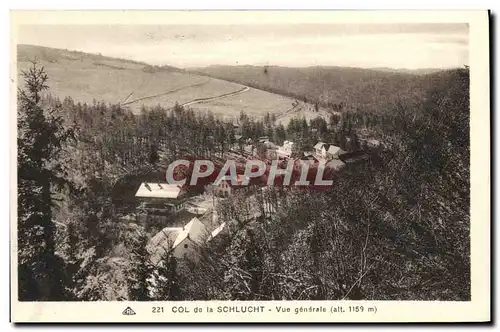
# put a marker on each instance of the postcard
(250, 166)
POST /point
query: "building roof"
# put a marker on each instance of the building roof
(335, 164)
(162, 242)
(319, 145)
(159, 190)
(217, 231)
(194, 230)
(170, 238)
(165, 235)
(332, 149)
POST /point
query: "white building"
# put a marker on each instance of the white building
(160, 197)
(285, 151)
(327, 151)
(158, 190)
(224, 187)
(183, 242)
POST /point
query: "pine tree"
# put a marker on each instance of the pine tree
(140, 272)
(166, 279)
(40, 140)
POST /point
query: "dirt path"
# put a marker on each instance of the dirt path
(127, 98)
(144, 82)
(202, 100)
(163, 93)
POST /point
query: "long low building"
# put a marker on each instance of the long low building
(160, 198)
(158, 190)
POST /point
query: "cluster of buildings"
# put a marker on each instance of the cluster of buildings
(328, 153)
(170, 204)
(167, 201)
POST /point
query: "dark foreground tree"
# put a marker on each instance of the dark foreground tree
(41, 136)
(139, 275)
(166, 279)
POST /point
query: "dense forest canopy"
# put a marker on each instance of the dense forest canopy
(396, 227)
(334, 87)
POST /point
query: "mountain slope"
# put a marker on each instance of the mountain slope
(87, 77)
(356, 88)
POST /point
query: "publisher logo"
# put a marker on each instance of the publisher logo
(128, 312)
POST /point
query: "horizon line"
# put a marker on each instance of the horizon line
(241, 65)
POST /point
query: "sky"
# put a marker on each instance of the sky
(410, 46)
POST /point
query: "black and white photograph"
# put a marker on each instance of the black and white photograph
(249, 160)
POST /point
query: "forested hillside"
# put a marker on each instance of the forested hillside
(333, 87)
(396, 227)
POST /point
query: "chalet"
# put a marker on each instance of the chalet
(160, 198)
(318, 148)
(327, 151)
(182, 242)
(224, 187)
(285, 151)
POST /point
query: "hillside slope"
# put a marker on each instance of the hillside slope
(355, 88)
(87, 77)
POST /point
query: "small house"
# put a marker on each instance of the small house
(181, 242)
(285, 151)
(224, 187)
(327, 151)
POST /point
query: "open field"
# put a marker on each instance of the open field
(88, 77)
(253, 102)
(209, 88)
